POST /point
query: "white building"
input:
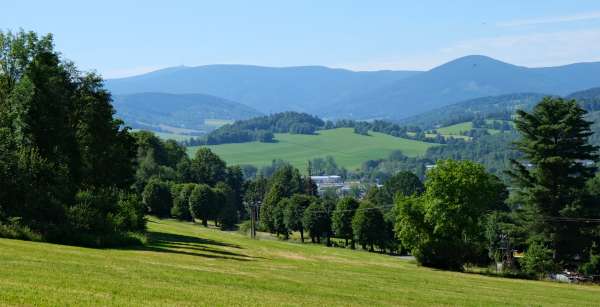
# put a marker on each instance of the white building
(325, 182)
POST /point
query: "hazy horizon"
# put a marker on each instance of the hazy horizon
(120, 39)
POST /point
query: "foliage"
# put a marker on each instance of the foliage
(227, 206)
(293, 213)
(342, 219)
(181, 199)
(59, 142)
(202, 203)
(368, 226)
(157, 197)
(552, 177)
(538, 260)
(207, 167)
(316, 221)
(445, 224)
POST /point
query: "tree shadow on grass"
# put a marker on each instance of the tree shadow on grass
(187, 245)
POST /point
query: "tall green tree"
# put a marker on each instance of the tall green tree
(202, 201)
(181, 199)
(294, 212)
(553, 172)
(316, 221)
(342, 219)
(368, 226)
(445, 225)
(207, 167)
(227, 213)
(157, 197)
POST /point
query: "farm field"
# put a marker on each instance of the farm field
(185, 264)
(348, 148)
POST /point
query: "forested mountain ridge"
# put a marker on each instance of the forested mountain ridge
(267, 89)
(339, 93)
(467, 78)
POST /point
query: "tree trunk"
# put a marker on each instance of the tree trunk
(353, 245)
(346, 244)
(328, 239)
(301, 235)
(205, 222)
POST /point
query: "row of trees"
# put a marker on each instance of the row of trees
(173, 185)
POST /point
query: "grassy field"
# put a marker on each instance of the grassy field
(455, 129)
(348, 148)
(173, 136)
(187, 265)
(216, 123)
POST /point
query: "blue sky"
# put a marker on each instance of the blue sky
(121, 38)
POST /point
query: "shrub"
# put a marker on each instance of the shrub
(538, 260)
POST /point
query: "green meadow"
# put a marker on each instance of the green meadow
(185, 264)
(348, 148)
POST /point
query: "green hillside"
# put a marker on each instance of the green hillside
(348, 148)
(456, 129)
(188, 265)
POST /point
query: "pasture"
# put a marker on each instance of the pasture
(348, 148)
(185, 264)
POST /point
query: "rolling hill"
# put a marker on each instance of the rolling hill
(348, 148)
(267, 89)
(184, 264)
(156, 111)
(485, 107)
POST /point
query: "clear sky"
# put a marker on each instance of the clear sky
(125, 37)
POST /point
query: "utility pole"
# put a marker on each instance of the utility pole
(252, 221)
(253, 218)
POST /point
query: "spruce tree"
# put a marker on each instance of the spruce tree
(557, 161)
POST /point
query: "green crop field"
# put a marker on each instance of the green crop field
(185, 264)
(348, 148)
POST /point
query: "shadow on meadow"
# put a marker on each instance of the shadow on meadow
(194, 246)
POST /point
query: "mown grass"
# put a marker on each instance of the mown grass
(187, 265)
(348, 148)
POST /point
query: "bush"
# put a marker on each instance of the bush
(592, 267)
(538, 260)
(13, 229)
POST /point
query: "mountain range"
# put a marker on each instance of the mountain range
(339, 93)
(267, 89)
(162, 111)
